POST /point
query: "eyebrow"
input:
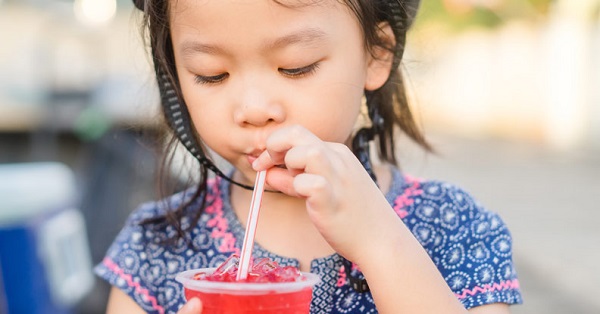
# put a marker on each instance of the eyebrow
(189, 48)
(305, 37)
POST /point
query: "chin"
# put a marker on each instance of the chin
(245, 176)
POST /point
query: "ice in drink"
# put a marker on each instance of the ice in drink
(269, 288)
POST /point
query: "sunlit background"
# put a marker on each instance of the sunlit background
(508, 92)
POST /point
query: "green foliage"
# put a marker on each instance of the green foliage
(470, 14)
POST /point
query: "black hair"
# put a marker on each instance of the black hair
(387, 106)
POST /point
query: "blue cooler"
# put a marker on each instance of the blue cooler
(45, 264)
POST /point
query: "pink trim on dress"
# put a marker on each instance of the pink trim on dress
(143, 291)
(342, 277)
(406, 198)
(219, 223)
(505, 285)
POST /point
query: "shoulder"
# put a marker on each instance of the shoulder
(470, 245)
(434, 201)
(441, 214)
(148, 229)
(147, 254)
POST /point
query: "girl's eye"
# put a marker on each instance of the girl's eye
(214, 79)
(300, 72)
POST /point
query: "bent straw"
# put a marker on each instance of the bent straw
(246, 255)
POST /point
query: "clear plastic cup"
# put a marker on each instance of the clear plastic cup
(249, 298)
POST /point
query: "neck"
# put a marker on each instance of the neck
(284, 227)
(274, 204)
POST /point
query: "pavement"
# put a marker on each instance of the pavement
(548, 198)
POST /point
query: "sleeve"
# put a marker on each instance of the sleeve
(472, 247)
(126, 264)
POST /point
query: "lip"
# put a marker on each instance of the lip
(253, 155)
(251, 158)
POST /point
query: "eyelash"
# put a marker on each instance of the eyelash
(291, 73)
(300, 72)
(215, 79)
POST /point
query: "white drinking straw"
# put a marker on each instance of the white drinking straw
(246, 255)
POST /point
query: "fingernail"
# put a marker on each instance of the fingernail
(195, 304)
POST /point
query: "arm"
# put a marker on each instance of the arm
(417, 285)
(338, 191)
(353, 216)
(418, 281)
(119, 302)
(413, 283)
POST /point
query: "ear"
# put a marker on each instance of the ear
(379, 62)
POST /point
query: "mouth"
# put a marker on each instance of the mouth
(251, 157)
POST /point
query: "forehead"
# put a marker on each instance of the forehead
(247, 22)
(177, 8)
(283, 3)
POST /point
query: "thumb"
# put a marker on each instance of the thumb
(193, 306)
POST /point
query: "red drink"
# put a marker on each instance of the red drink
(266, 290)
(268, 301)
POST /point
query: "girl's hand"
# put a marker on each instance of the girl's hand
(342, 201)
(353, 216)
(193, 306)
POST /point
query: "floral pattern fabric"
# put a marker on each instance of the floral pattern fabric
(471, 247)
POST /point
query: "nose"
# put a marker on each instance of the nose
(258, 106)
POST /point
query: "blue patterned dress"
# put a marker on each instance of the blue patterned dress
(471, 247)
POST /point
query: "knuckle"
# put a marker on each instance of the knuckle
(320, 184)
(341, 148)
(316, 153)
(296, 131)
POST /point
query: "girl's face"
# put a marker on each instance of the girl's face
(248, 67)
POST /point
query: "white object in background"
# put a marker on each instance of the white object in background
(95, 12)
(63, 246)
(30, 189)
(569, 58)
(41, 196)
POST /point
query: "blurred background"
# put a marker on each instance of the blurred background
(506, 90)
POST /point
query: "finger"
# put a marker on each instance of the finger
(282, 180)
(193, 306)
(316, 159)
(263, 161)
(280, 142)
(315, 188)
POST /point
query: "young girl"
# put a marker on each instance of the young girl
(278, 85)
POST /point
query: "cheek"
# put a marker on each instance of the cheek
(335, 105)
(209, 122)
(336, 119)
